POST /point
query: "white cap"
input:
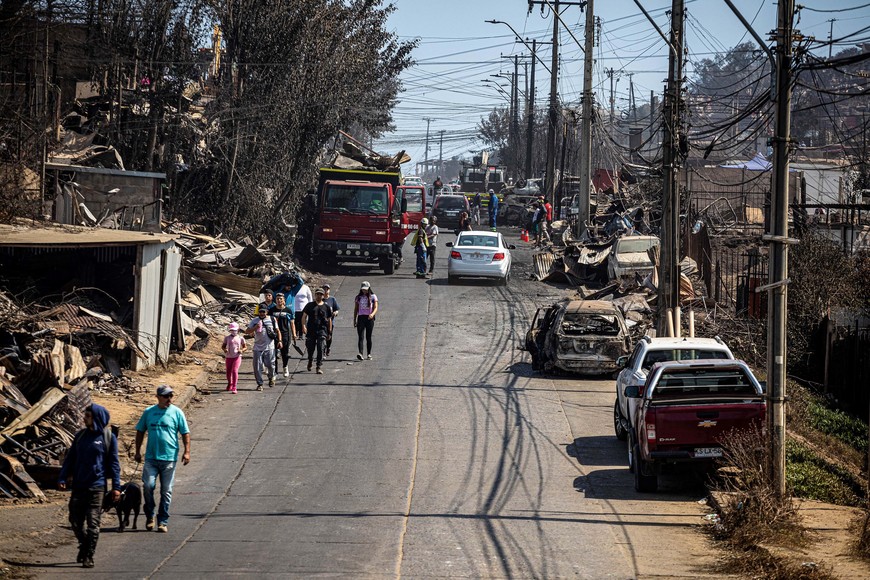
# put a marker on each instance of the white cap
(365, 286)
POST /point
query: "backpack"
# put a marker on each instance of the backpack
(271, 333)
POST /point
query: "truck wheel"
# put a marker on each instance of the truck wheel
(643, 482)
(619, 423)
(388, 265)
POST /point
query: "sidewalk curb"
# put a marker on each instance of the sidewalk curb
(184, 394)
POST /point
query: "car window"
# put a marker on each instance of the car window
(582, 323)
(629, 245)
(414, 196)
(633, 358)
(477, 240)
(657, 356)
(450, 202)
(684, 383)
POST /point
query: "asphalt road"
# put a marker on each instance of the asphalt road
(444, 456)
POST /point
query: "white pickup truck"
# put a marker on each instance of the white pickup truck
(649, 351)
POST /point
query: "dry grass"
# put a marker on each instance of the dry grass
(861, 548)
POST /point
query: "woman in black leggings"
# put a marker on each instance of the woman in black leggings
(365, 307)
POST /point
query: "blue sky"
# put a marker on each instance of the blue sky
(458, 49)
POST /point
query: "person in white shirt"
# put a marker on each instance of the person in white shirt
(302, 298)
(432, 234)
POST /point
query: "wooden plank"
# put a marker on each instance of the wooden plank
(22, 478)
(57, 361)
(168, 300)
(76, 367)
(230, 281)
(51, 397)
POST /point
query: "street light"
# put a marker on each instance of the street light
(498, 87)
(520, 38)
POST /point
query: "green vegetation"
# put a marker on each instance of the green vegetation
(810, 477)
(850, 430)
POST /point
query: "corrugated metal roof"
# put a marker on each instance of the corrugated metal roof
(52, 236)
(543, 264)
(102, 170)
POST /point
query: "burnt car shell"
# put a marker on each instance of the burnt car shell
(578, 336)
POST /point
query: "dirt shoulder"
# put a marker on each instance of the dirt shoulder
(28, 526)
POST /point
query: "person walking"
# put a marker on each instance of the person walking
(476, 204)
(493, 209)
(265, 331)
(163, 423)
(286, 322)
(333, 304)
(549, 219)
(432, 235)
(234, 345)
(268, 302)
(421, 247)
(317, 320)
(365, 308)
(300, 300)
(538, 219)
(92, 460)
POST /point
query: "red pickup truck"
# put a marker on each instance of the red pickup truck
(686, 411)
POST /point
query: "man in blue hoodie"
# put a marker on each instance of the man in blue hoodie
(91, 461)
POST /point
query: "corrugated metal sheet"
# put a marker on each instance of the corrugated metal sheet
(543, 262)
(68, 319)
(47, 236)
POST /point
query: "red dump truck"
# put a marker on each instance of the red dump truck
(365, 216)
(685, 413)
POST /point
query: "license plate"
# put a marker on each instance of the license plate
(353, 246)
(708, 452)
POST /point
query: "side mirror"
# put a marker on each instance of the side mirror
(622, 361)
(511, 247)
(449, 244)
(404, 204)
(632, 391)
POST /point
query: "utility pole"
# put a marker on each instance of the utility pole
(669, 266)
(610, 73)
(552, 119)
(831, 38)
(515, 120)
(441, 152)
(586, 126)
(426, 155)
(779, 240)
(530, 103)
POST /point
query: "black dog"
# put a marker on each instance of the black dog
(131, 500)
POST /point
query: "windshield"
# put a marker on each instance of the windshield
(657, 356)
(451, 202)
(474, 175)
(477, 240)
(414, 197)
(704, 382)
(630, 246)
(496, 176)
(580, 323)
(356, 198)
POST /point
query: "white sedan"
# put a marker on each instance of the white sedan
(481, 255)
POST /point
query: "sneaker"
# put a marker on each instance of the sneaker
(286, 372)
(163, 528)
(229, 388)
(234, 392)
(259, 387)
(149, 524)
(326, 353)
(359, 356)
(88, 562)
(369, 357)
(319, 371)
(310, 364)
(81, 555)
(272, 382)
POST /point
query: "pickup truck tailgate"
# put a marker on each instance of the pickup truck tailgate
(689, 426)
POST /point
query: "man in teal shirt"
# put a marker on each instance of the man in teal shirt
(163, 422)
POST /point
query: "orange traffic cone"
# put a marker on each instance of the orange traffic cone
(525, 236)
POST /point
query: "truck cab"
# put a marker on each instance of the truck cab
(365, 216)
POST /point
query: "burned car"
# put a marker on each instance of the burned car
(578, 336)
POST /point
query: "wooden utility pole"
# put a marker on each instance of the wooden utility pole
(552, 118)
(426, 155)
(530, 105)
(779, 240)
(586, 126)
(669, 267)
(515, 119)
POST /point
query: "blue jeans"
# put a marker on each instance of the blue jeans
(421, 260)
(264, 358)
(151, 470)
